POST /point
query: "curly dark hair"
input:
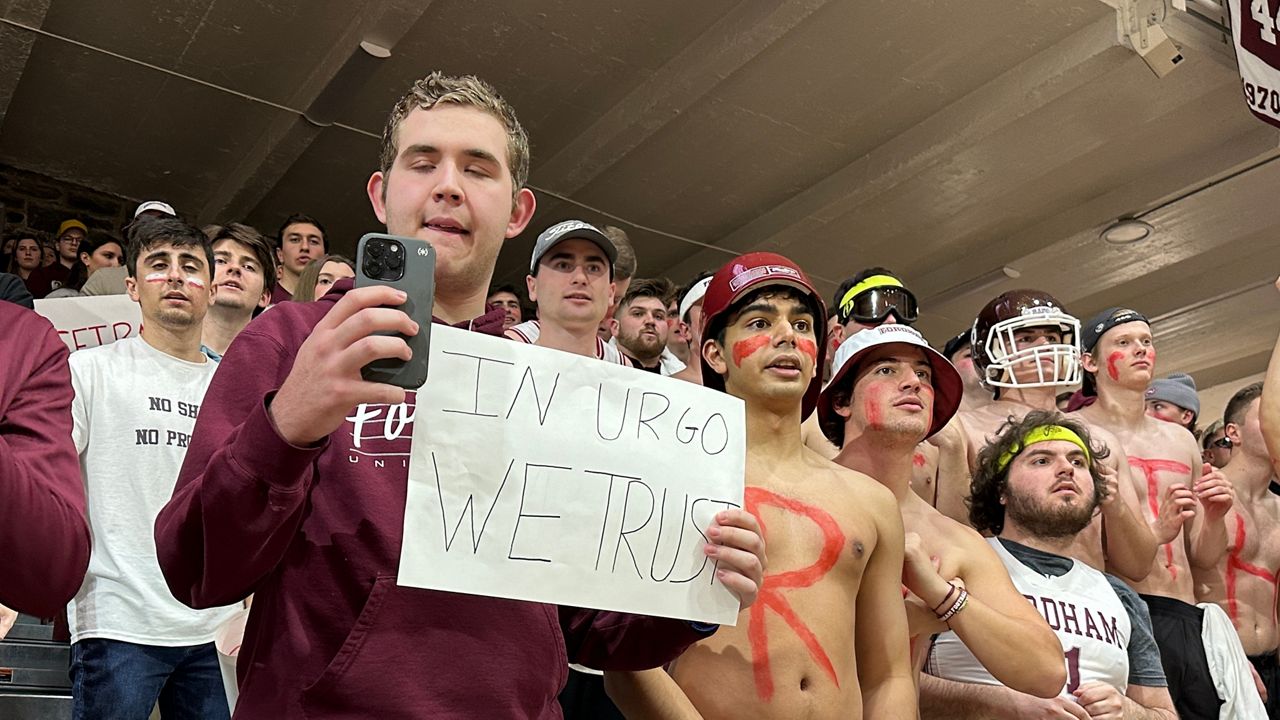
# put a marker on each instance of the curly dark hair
(986, 513)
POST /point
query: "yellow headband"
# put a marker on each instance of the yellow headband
(871, 282)
(1044, 433)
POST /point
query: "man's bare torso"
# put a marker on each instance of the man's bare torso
(1157, 458)
(1245, 581)
(791, 654)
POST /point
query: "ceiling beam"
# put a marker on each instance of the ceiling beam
(287, 136)
(723, 49)
(16, 44)
(1186, 226)
(1034, 83)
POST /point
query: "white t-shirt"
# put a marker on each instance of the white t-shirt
(132, 417)
(531, 330)
(1080, 606)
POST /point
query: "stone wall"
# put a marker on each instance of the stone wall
(35, 205)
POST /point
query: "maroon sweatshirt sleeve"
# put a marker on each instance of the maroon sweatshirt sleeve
(240, 496)
(618, 641)
(44, 536)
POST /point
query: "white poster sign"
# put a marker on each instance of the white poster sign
(85, 322)
(546, 476)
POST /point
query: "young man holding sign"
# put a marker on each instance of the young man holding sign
(294, 488)
(835, 535)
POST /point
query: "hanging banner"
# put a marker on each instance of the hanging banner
(1255, 28)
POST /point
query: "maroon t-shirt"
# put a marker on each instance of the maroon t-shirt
(280, 294)
(44, 280)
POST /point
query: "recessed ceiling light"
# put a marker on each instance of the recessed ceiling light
(1127, 231)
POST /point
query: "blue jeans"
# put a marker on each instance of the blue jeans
(115, 680)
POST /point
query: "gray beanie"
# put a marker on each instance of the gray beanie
(1179, 389)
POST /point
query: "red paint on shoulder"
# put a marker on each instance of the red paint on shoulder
(919, 460)
(744, 349)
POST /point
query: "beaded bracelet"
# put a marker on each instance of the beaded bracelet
(945, 599)
(960, 603)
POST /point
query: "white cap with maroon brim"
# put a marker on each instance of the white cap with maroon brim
(948, 388)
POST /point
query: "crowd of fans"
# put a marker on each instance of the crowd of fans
(1026, 522)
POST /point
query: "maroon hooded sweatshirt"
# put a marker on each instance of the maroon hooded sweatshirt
(314, 534)
(44, 536)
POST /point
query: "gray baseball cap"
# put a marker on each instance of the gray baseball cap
(567, 229)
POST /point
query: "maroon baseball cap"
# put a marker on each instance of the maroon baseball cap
(742, 275)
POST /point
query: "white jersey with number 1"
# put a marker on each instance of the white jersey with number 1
(1080, 606)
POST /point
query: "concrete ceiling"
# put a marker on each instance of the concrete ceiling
(944, 140)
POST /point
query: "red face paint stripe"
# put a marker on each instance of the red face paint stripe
(808, 347)
(1149, 468)
(744, 349)
(871, 407)
(770, 596)
(1112, 360)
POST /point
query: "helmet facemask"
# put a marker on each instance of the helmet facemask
(1064, 368)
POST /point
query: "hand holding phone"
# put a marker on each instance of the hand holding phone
(409, 265)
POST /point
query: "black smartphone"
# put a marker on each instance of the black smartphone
(409, 265)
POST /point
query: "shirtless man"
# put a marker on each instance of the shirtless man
(1119, 358)
(691, 327)
(1026, 348)
(1246, 577)
(828, 638)
(925, 478)
(890, 391)
(959, 350)
(571, 279)
(1038, 484)
(871, 298)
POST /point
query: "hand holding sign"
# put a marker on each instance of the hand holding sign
(738, 546)
(325, 381)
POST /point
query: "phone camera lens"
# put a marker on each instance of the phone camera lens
(374, 249)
